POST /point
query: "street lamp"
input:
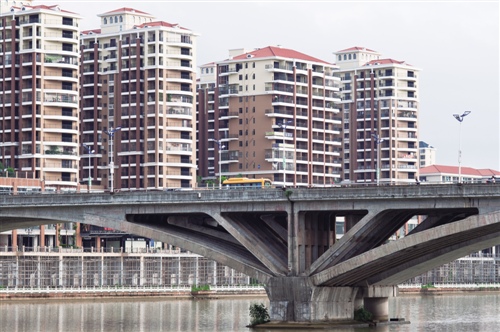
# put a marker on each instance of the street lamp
(221, 147)
(378, 140)
(111, 133)
(460, 118)
(283, 126)
(90, 151)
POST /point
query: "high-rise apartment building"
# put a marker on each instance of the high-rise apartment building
(138, 99)
(427, 154)
(39, 92)
(380, 113)
(274, 113)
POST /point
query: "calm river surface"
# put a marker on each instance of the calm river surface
(455, 312)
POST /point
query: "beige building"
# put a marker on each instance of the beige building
(427, 155)
(39, 92)
(275, 113)
(138, 86)
(380, 112)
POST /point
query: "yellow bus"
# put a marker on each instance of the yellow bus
(246, 183)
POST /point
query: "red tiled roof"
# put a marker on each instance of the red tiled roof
(385, 62)
(127, 9)
(442, 169)
(356, 48)
(45, 7)
(272, 51)
(96, 31)
(159, 24)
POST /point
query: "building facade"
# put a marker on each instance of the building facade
(274, 114)
(39, 92)
(138, 103)
(380, 117)
(427, 155)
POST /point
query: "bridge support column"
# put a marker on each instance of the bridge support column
(376, 300)
(296, 299)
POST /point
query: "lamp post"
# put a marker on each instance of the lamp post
(90, 151)
(377, 140)
(220, 146)
(283, 126)
(460, 119)
(111, 133)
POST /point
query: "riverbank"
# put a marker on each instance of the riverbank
(447, 289)
(216, 292)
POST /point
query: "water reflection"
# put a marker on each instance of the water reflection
(476, 312)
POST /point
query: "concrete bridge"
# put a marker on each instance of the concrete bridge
(286, 239)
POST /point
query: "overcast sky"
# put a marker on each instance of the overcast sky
(454, 43)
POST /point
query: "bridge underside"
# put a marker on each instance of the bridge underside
(309, 274)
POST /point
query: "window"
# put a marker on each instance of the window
(105, 20)
(240, 121)
(240, 132)
(254, 87)
(240, 110)
(340, 57)
(246, 65)
(253, 66)
(253, 111)
(354, 56)
(246, 76)
(349, 56)
(345, 56)
(241, 99)
(240, 77)
(253, 76)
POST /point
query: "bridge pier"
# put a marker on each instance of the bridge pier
(297, 299)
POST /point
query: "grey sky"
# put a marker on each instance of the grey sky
(456, 44)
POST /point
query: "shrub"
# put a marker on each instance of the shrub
(362, 315)
(259, 314)
(195, 288)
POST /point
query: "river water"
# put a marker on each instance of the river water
(454, 312)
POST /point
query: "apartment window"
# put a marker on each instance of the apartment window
(354, 56)
(241, 144)
(340, 57)
(254, 87)
(240, 77)
(253, 76)
(246, 109)
(105, 20)
(253, 98)
(246, 64)
(240, 166)
(253, 66)
(253, 133)
(241, 87)
(345, 56)
(253, 111)
(349, 56)
(253, 118)
(246, 87)
(240, 121)
(240, 132)
(241, 99)
(246, 76)
(240, 110)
